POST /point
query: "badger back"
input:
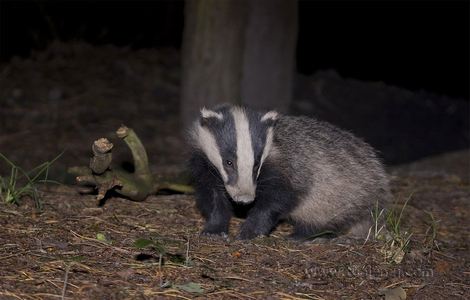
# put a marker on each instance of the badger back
(235, 141)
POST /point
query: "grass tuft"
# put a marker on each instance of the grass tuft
(21, 183)
(158, 247)
(430, 236)
(397, 238)
(378, 227)
(387, 227)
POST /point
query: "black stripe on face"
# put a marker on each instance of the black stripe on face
(226, 139)
(258, 132)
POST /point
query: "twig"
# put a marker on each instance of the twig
(64, 289)
(187, 252)
(160, 268)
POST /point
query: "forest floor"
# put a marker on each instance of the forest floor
(74, 249)
(71, 94)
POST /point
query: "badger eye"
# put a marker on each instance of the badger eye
(229, 162)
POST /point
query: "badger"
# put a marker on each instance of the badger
(283, 168)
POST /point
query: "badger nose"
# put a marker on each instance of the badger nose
(244, 198)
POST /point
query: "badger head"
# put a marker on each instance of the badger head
(236, 141)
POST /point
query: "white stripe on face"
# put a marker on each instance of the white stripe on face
(245, 156)
(209, 146)
(267, 147)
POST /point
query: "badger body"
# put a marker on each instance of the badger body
(310, 173)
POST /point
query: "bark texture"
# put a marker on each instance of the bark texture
(238, 52)
(213, 40)
(269, 55)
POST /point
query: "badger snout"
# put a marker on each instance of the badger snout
(241, 195)
(244, 198)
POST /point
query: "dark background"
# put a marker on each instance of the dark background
(425, 43)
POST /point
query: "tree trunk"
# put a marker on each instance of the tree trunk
(269, 56)
(213, 41)
(238, 51)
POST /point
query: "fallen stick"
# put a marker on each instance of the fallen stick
(136, 186)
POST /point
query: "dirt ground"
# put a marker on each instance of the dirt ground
(69, 95)
(81, 251)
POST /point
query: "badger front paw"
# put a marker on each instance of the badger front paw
(247, 232)
(215, 236)
(215, 231)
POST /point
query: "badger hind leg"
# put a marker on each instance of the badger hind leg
(357, 233)
(309, 232)
(360, 230)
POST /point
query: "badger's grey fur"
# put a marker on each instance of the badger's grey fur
(299, 169)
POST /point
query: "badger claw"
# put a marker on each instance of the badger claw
(347, 240)
(214, 235)
(344, 240)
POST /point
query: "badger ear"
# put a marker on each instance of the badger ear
(208, 116)
(270, 117)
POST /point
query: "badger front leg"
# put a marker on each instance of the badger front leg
(259, 222)
(216, 209)
(211, 198)
(275, 199)
(214, 206)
